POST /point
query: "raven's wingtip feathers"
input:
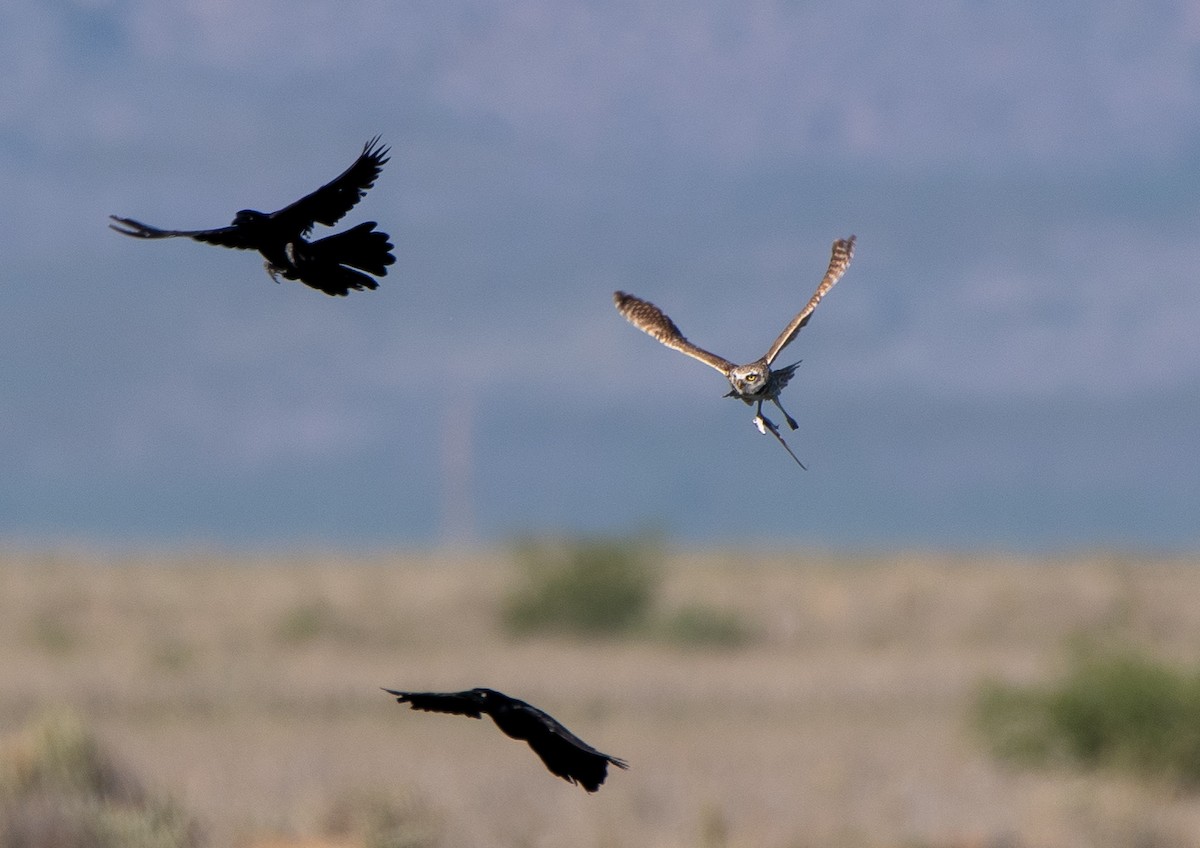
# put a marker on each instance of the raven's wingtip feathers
(377, 151)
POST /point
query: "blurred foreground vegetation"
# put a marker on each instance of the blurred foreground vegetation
(60, 789)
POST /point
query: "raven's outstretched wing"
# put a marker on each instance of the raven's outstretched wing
(653, 321)
(568, 756)
(839, 261)
(231, 236)
(331, 201)
(454, 703)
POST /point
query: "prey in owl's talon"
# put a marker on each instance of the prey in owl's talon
(765, 425)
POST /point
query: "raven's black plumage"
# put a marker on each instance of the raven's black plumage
(334, 264)
(564, 753)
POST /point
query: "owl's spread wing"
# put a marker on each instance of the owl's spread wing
(839, 261)
(651, 320)
(231, 236)
(331, 201)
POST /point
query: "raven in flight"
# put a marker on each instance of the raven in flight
(564, 753)
(327, 264)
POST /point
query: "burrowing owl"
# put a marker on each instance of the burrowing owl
(756, 382)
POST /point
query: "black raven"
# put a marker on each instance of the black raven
(564, 753)
(326, 264)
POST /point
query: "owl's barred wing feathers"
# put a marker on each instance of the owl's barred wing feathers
(839, 261)
(654, 322)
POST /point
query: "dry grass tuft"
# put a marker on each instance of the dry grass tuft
(60, 789)
(374, 819)
(56, 754)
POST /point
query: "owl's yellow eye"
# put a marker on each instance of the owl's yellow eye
(750, 378)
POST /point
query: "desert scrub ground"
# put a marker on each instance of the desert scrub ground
(246, 689)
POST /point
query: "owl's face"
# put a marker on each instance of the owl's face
(750, 380)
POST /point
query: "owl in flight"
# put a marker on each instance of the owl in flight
(334, 264)
(756, 382)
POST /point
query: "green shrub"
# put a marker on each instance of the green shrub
(55, 634)
(584, 588)
(1115, 710)
(706, 627)
(314, 621)
(172, 655)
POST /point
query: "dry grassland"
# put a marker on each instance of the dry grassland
(248, 690)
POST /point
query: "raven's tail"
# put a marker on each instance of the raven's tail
(328, 264)
(334, 280)
(362, 247)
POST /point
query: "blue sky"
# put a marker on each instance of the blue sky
(1012, 360)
